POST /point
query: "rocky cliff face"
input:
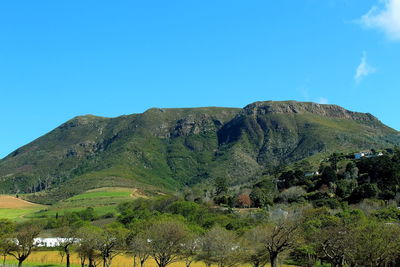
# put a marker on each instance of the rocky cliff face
(168, 148)
(294, 107)
(283, 132)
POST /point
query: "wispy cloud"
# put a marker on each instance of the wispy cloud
(323, 100)
(363, 69)
(385, 17)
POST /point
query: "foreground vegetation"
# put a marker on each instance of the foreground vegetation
(169, 230)
(346, 214)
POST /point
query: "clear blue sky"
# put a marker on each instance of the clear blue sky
(60, 59)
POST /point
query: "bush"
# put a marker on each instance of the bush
(293, 194)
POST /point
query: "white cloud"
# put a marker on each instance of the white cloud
(363, 69)
(385, 17)
(323, 100)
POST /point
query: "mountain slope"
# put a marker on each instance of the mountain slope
(164, 149)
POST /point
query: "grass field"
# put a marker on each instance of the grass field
(54, 258)
(103, 200)
(17, 209)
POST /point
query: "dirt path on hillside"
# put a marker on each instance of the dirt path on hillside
(137, 194)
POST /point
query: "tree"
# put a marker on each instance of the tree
(255, 252)
(25, 241)
(221, 185)
(88, 244)
(139, 246)
(7, 227)
(166, 238)
(244, 201)
(110, 241)
(190, 249)
(345, 187)
(292, 194)
(351, 171)
(363, 191)
(374, 244)
(334, 159)
(66, 241)
(260, 197)
(332, 242)
(279, 236)
(328, 175)
(220, 246)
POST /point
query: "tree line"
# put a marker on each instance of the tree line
(170, 230)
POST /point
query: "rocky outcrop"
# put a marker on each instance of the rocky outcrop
(294, 107)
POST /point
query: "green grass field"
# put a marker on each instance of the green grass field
(103, 200)
(14, 208)
(101, 194)
(17, 214)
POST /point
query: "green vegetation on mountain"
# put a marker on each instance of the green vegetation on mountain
(165, 150)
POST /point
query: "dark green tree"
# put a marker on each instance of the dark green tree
(221, 185)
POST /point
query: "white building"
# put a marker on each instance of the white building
(367, 154)
(49, 242)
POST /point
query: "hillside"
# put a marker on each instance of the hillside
(165, 149)
(16, 208)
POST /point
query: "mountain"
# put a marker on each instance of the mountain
(166, 149)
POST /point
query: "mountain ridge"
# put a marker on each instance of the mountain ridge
(167, 148)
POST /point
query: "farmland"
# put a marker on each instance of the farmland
(54, 258)
(16, 209)
(103, 200)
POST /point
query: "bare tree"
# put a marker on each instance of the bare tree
(332, 243)
(190, 249)
(279, 236)
(24, 241)
(255, 252)
(88, 244)
(110, 242)
(165, 240)
(81, 254)
(140, 248)
(66, 241)
(220, 246)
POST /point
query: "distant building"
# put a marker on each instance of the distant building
(360, 155)
(49, 242)
(367, 154)
(309, 174)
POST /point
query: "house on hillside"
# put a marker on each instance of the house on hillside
(362, 154)
(367, 154)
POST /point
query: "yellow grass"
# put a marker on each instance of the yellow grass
(53, 257)
(10, 202)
